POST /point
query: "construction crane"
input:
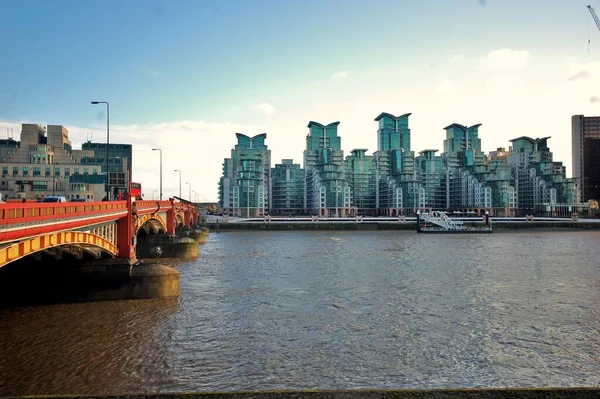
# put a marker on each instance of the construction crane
(595, 20)
(594, 16)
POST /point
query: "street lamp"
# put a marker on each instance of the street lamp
(177, 170)
(107, 138)
(190, 197)
(160, 150)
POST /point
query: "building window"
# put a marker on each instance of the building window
(95, 171)
(25, 170)
(15, 171)
(36, 171)
(4, 171)
(48, 171)
(85, 171)
(76, 171)
(67, 172)
(40, 186)
(57, 172)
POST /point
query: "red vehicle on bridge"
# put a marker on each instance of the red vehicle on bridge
(135, 191)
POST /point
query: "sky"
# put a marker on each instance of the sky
(186, 75)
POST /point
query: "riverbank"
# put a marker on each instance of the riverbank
(409, 225)
(478, 393)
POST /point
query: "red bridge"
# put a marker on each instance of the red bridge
(100, 229)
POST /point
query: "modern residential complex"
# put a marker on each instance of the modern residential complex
(244, 188)
(287, 188)
(44, 163)
(520, 180)
(586, 155)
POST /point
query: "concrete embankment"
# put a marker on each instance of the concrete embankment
(495, 393)
(409, 225)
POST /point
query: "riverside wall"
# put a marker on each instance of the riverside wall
(408, 225)
(477, 393)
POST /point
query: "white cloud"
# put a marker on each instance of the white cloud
(448, 87)
(456, 58)
(504, 59)
(340, 75)
(267, 108)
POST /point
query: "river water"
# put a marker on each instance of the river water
(266, 310)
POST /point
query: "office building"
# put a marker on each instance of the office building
(585, 133)
(44, 163)
(120, 162)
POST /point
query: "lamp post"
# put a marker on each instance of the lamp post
(177, 170)
(160, 185)
(107, 138)
(190, 197)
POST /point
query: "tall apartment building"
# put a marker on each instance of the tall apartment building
(499, 179)
(585, 133)
(466, 172)
(397, 187)
(44, 163)
(431, 177)
(541, 184)
(326, 191)
(287, 189)
(244, 188)
(522, 179)
(361, 175)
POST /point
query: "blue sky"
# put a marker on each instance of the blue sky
(186, 75)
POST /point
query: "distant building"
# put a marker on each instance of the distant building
(120, 162)
(360, 174)
(521, 180)
(395, 168)
(466, 177)
(244, 188)
(431, 178)
(541, 184)
(287, 189)
(326, 191)
(585, 132)
(44, 163)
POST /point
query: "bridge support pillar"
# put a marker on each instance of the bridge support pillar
(125, 237)
(35, 282)
(171, 218)
(187, 217)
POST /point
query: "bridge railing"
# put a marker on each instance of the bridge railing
(28, 212)
(149, 204)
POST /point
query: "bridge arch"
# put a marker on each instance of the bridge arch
(73, 242)
(179, 219)
(151, 221)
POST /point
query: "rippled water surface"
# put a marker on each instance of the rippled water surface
(262, 310)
